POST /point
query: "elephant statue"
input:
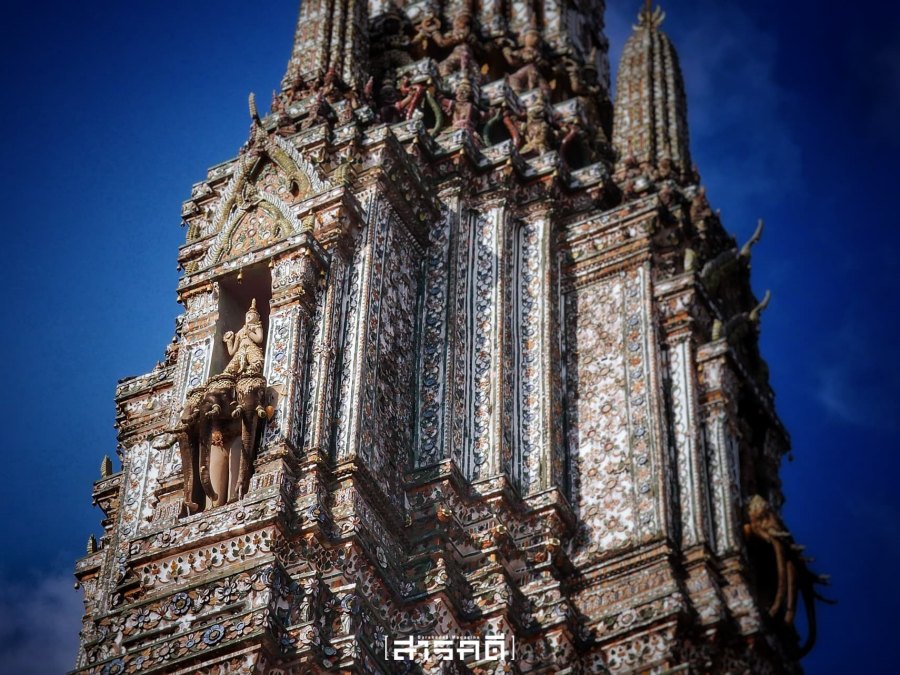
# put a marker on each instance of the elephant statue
(250, 395)
(791, 574)
(229, 406)
(215, 409)
(200, 426)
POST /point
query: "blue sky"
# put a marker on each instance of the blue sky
(112, 110)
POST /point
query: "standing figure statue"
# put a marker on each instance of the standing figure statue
(460, 39)
(245, 346)
(529, 61)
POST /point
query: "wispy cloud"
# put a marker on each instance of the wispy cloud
(882, 518)
(39, 626)
(855, 385)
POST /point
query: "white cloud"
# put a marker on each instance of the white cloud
(854, 386)
(39, 625)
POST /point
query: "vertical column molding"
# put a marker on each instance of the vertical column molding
(721, 446)
(537, 463)
(356, 311)
(435, 365)
(499, 457)
(286, 326)
(320, 403)
(689, 452)
(294, 282)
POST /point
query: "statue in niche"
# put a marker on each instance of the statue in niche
(227, 407)
(463, 108)
(245, 346)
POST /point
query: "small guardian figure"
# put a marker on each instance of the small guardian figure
(460, 39)
(529, 61)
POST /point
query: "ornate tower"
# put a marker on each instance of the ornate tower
(453, 363)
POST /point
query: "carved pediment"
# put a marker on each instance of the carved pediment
(261, 226)
(258, 205)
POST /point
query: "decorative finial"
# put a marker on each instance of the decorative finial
(649, 17)
(254, 114)
(106, 467)
(91, 545)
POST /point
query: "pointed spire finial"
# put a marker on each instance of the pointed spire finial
(649, 17)
(254, 115)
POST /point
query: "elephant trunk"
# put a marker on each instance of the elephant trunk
(204, 468)
(809, 601)
(791, 593)
(249, 424)
(781, 576)
(187, 448)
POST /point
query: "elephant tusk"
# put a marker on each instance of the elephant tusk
(791, 593)
(780, 567)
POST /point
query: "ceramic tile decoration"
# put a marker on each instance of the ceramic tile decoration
(465, 354)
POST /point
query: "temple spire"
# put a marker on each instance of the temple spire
(330, 36)
(650, 121)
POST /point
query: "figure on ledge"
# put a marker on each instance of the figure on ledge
(460, 39)
(529, 61)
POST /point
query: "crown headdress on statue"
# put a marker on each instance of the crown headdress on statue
(253, 309)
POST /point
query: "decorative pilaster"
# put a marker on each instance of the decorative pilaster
(435, 362)
(676, 297)
(480, 331)
(719, 388)
(538, 463)
(320, 399)
(197, 334)
(294, 285)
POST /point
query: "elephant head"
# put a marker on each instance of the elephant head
(188, 433)
(215, 413)
(250, 393)
(791, 573)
